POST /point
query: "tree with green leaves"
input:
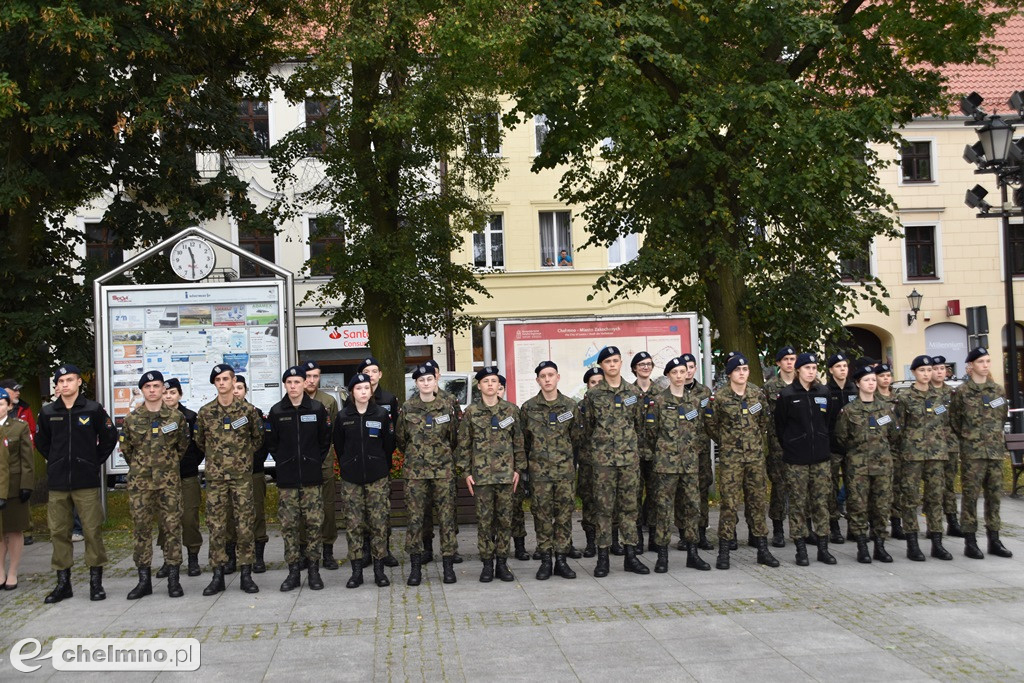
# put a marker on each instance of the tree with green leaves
(114, 100)
(398, 159)
(741, 139)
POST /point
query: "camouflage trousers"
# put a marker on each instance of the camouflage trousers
(868, 501)
(518, 514)
(981, 477)
(60, 509)
(897, 487)
(645, 495)
(949, 495)
(809, 487)
(745, 482)
(838, 478)
(432, 504)
(669, 489)
(191, 535)
(165, 506)
(366, 510)
(553, 503)
(493, 519)
(615, 487)
(329, 493)
(777, 478)
(259, 498)
(420, 494)
(224, 497)
(298, 509)
(705, 478)
(585, 487)
(932, 473)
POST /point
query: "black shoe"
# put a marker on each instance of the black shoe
(62, 591)
(245, 581)
(303, 564)
(751, 540)
(448, 570)
(294, 578)
(702, 542)
(96, 591)
(601, 570)
(632, 564)
(520, 548)
(913, 549)
(811, 538)
(367, 556)
(661, 565)
(163, 571)
(415, 570)
(971, 548)
(897, 529)
(232, 564)
(591, 548)
(616, 548)
(544, 571)
(835, 534)
(29, 541)
(390, 560)
(695, 561)
(574, 553)
(536, 554)
(562, 568)
(328, 554)
(427, 556)
(174, 588)
(639, 547)
(258, 565)
(778, 534)
(193, 565)
(487, 571)
(356, 580)
(682, 544)
(801, 553)
(823, 554)
(880, 553)
(723, 554)
(313, 580)
(953, 526)
(144, 586)
(379, 577)
(217, 584)
(995, 546)
(456, 558)
(502, 571)
(863, 556)
(764, 556)
(938, 551)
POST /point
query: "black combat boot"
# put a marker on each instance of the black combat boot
(801, 552)
(520, 548)
(734, 545)
(723, 554)
(62, 591)
(694, 560)
(96, 591)
(379, 577)
(702, 542)
(938, 551)
(328, 555)
(616, 548)
(639, 547)
(456, 558)
(823, 554)
(193, 565)
(651, 545)
(682, 544)
(389, 559)
(897, 529)
(574, 552)
(601, 570)
(303, 563)
(415, 570)
(174, 588)
(428, 551)
(367, 557)
(294, 578)
(258, 565)
(661, 564)
(163, 571)
(232, 564)
(778, 534)
(953, 526)
(632, 563)
(835, 534)
(502, 571)
(913, 549)
(544, 571)
(448, 570)
(245, 581)
(995, 546)
(217, 584)
(144, 586)
(971, 548)
(562, 568)
(881, 554)
(812, 538)
(850, 536)
(863, 555)
(536, 553)
(764, 556)
(751, 539)
(487, 571)
(591, 548)
(356, 580)
(313, 577)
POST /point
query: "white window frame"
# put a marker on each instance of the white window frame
(487, 232)
(270, 131)
(939, 269)
(82, 248)
(540, 132)
(621, 242)
(873, 263)
(483, 150)
(558, 246)
(932, 147)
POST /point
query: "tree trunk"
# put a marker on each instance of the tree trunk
(725, 294)
(387, 342)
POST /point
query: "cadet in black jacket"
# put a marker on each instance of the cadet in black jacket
(191, 491)
(370, 367)
(76, 437)
(802, 427)
(299, 437)
(364, 441)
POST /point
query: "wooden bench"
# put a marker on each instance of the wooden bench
(1015, 444)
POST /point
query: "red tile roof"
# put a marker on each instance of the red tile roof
(997, 83)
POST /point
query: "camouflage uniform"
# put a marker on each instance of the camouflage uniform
(298, 509)
(329, 489)
(585, 475)
(923, 450)
(705, 476)
(869, 432)
(548, 434)
(646, 483)
(775, 466)
(953, 463)
(896, 511)
(259, 490)
(490, 448)
(675, 435)
(977, 412)
(229, 435)
(838, 397)
(426, 433)
(613, 420)
(519, 497)
(453, 483)
(738, 424)
(153, 444)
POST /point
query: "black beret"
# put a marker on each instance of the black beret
(421, 370)
(219, 369)
(591, 372)
(67, 369)
(311, 365)
(689, 358)
(544, 365)
(608, 352)
(674, 363)
(294, 371)
(938, 360)
(883, 368)
(486, 371)
(173, 383)
(837, 358)
(151, 376)
(641, 356)
(358, 378)
(501, 380)
(863, 371)
(920, 362)
(976, 354)
(432, 364)
(806, 359)
(783, 352)
(734, 362)
(241, 379)
(367, 362)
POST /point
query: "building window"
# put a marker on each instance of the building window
(916, 162)
(920, 245)
(1017, 248)
(255, 116)
(489, 244)
(555, 239)
(259, 243)
(101, 248)
(623, 250)
(316, 112)
(857, 269)
(484, 135)
(326, 234)
(540, 132)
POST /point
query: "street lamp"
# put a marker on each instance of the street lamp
(914, 299)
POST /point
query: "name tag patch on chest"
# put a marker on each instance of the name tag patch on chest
(240, 422)
(444, 418)
(692, 415)
(630, 401)
(307, 418)
(820, 400)
(756, 408)
(940, 409)
(506, 422)
(168, 428)
(996, 402)
(372, 424)
(884, 420)
(567, 415)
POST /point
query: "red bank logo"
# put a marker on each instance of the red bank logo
(335, 334)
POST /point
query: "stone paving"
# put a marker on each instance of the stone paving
(959, 620)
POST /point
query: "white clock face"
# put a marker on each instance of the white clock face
(192, 258)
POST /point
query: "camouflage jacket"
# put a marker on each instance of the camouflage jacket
(490, 443)
(921, 415)
(613, 421)
(739, 424)
(946, 393)
(870, 433)
(153, 445)
(771, 389)
(451, 398)
(332, 412)
(548, 435)
(228, 435)
(15, 434)
(647, 398)
(426, 433)
(582, 448)
(676, 434)
(977, 412)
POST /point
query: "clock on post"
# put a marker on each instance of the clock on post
(193, 258)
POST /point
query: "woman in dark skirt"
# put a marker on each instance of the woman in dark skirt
(16, 514)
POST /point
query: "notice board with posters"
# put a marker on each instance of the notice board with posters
(574, 343)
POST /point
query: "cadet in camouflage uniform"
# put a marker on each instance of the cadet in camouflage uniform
(426, 433)
(841, 391)
(923, 450)
(868, 429)
(737, 419)
(585, 472)
(977, 413)
(548, 422)
(191, 492)
(884, 392)
(613, 424)
(642, 366)
(228, 433)
(705, 477)
(519, 497)
(329, 489)
(154, 439)
(939, 373)
(428, 515)
(785, 358)
(259, 494)
(675, 436)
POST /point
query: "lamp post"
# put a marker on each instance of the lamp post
(914, 299)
